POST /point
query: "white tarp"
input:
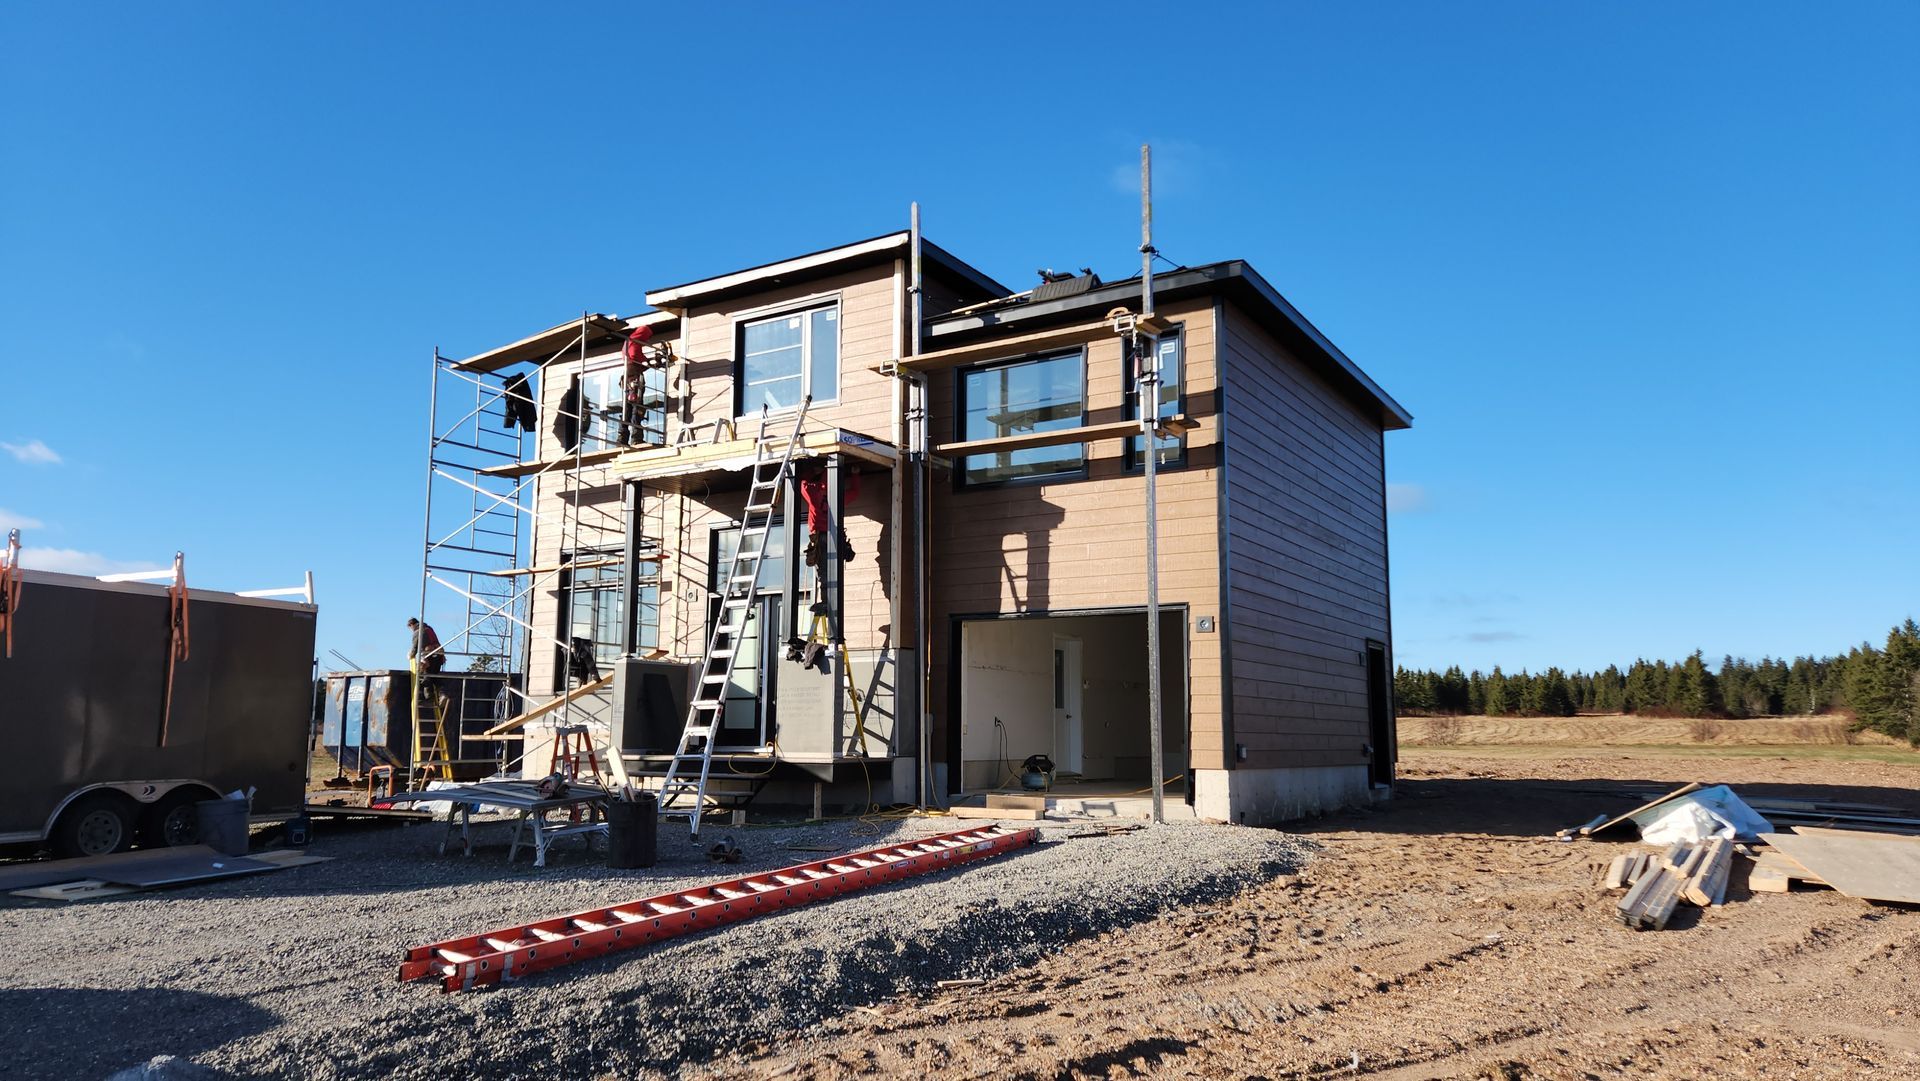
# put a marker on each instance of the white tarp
(1696, 816)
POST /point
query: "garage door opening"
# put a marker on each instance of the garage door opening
(1072, 688)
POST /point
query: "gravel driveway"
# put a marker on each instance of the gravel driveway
(291, 974)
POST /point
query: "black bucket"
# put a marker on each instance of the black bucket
(223, 825)
(633, 832)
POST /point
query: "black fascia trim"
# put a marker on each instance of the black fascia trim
(1234, 279)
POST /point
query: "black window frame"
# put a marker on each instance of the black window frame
(607, 579)
(807, 309)
(1133, 458)
(960, 481)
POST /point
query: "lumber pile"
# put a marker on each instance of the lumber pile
(1657, 884)
(1855, 860)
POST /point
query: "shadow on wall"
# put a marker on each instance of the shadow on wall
(93, 1032)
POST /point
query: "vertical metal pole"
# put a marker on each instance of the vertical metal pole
(433, 439)
(630, 570)
(922, 645)
(896, 495)
(1149, 404)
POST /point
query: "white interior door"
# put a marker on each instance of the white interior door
(1068, 726)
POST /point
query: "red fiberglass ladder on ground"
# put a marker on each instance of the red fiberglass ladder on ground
(686, 776)
(510, 953)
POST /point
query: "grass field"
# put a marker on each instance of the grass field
(1803, 734)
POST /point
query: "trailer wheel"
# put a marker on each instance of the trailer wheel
(95, 825)
(174, 820)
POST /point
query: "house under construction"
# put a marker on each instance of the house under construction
(942, 572)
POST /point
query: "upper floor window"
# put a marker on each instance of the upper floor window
(610, 420)
(786, 357)
(1043, 395)
(1171, 449)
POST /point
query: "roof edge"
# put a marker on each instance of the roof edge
(1235, 275)
(683, 295)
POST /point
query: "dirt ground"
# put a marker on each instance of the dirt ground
(1447, 935)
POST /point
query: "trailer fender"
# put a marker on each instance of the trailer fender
(142, 792)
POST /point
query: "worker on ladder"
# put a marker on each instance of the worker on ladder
(425, 659)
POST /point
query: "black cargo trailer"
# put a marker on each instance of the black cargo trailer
(111, 736)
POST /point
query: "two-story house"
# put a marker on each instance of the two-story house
(984, 562)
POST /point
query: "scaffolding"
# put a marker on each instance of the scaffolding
(480, 567)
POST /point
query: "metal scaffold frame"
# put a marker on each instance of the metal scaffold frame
(478, 573)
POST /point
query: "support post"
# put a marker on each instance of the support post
(632, 495)
(1149, 408)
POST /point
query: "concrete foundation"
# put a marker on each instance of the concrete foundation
(1261, 797)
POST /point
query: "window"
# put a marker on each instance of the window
(604, 409)
(784, 358)
(1172, 449)
(590, 608)
(1044, 395)
(773, 568)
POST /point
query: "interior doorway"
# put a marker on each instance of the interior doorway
(1072, 687)
(1069, 688)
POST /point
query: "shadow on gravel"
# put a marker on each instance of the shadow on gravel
(91, 1033)
(1537, 806)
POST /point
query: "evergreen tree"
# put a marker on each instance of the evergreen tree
(1496, 693)
(1555, 698)
(1476, 693)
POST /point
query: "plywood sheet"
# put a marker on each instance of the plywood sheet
(26, 875)
(187, 869)
(1868, 866)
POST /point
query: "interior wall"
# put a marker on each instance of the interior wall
(1007, 676)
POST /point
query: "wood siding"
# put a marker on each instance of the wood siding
(1307, 555)
(1080, 544)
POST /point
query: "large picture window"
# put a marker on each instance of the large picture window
(1043, 395)
(787, 357)
(1172, 449)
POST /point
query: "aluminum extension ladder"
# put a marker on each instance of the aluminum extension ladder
(694, 754)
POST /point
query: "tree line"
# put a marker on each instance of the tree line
(1878, 687)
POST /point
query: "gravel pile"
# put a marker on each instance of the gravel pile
(291, 974)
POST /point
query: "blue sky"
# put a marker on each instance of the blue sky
(1646, 275)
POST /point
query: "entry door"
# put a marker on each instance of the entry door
(748, 717)
(1379, 715)
(1069, 730)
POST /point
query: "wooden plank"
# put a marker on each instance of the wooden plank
(1764, 879)
(1582, 829)
(1775, 872)
(1043, 341)
(731, 455)
(86, 889)
(1618, 820)
(1616, 878)
(557, 465)
(501, 730)
(1816, 831)
(1029, 803)
(1178, 424)
(1871, 867)
(1708, 883)
(1024, 814)
(1651, 901)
